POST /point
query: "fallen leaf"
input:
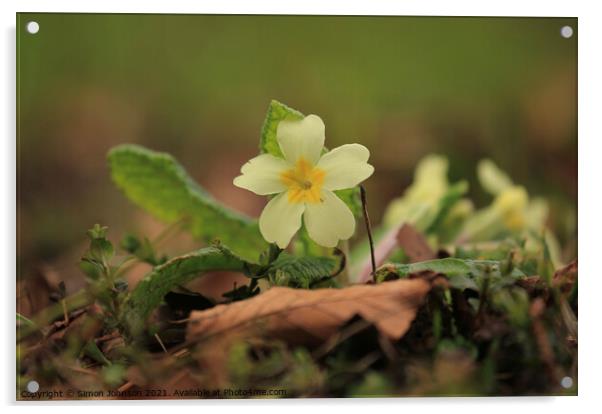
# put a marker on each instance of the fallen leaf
(414, 244)
(311, 316)
(566, 277)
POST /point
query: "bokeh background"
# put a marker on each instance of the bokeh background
(198, 86)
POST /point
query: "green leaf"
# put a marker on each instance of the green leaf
(149, 292)
(95, 262)
(97, 232)
(300, 272)
(457, 270)
(448, 266)
(351, 197)
(101, 249)
(463, 282)
(277, 112)
(25, 321)
(142, 249)
(156, 182)
(452, 195)
(114, 374)
(92, 350)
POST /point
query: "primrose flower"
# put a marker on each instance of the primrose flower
(304, 181)
(512, 205)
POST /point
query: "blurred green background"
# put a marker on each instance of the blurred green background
(198, 87)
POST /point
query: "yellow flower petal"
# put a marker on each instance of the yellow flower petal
(329, 221)
(301, 139)
(345, 166)
(261, 175)
(280, 220)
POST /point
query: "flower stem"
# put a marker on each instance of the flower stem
(368, 229)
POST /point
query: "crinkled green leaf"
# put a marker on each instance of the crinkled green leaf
(149, 292)
(277, 112)
(463, 282)
(300, 272)
(156, 182)
(457, 270)
(448, 266)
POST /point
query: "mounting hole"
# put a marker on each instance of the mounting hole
(566, 32)
(32, 27)
(33, 386)
(566, 382)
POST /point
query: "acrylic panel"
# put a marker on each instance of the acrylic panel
(266, 206)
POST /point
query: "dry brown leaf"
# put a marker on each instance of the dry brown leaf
(566, 277)
(310, 316)
(414, 244)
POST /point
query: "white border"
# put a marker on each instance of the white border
(347, 7)
(590, 67)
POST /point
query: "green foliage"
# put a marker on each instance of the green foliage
(24, 321)
(95, 261)
(104, 284)
(514, 302)
(304, 376)
(273, 363)
(473, 334)
(448, 266)
(428, 200)
(374, 384)
(300, 272)
(92, 351)
(277, 111)
(158, 183)
(462, 272)
(142, 249)
(149, 292)
(452, 195)
(114, 374)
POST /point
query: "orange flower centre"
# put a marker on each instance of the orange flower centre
(304, 182)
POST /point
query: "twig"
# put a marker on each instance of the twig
(78, 300)
(65, 311)
(83, 371)
(126, 386)
(368, 229)
(158, 338)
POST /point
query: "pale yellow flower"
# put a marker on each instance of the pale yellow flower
(512, 205)
(304, 181)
